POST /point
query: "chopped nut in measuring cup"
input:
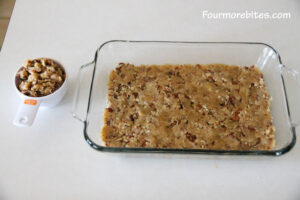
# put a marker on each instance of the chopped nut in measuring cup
(40, 77)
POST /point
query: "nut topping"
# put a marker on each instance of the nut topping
(40, 77)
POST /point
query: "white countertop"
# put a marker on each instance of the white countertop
(51, 160)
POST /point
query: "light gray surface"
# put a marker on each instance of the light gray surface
(51, 160)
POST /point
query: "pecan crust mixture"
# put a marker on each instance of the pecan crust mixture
(40, 77)
(213, 106)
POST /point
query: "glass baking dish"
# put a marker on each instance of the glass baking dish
(282, 83)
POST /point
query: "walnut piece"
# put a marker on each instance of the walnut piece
(40, 77)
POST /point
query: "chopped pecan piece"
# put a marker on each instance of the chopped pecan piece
(190, 137)
(110, 110)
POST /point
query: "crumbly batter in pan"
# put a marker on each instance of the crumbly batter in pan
(211, 106)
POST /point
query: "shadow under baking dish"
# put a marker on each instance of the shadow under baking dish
(93, 101)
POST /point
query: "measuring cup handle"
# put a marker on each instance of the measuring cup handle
(26, 112)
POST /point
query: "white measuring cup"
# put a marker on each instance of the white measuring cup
(29, 106)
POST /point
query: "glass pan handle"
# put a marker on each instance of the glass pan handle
(80, 103)
(291, 80)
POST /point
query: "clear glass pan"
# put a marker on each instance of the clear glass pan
(90, 99)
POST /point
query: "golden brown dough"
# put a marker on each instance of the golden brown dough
(212, 106)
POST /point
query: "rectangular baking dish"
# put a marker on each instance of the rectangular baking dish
(282, 83)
